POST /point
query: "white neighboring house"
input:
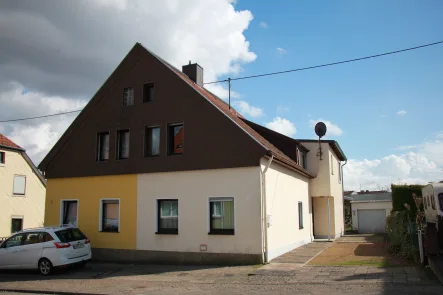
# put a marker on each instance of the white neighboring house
(369, 211)
(22, 190)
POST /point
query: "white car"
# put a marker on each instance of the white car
(45, 248)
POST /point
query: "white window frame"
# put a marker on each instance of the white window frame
(4, 159)
(62, 207)
(208, 211)
(100, 221)
(13, 186)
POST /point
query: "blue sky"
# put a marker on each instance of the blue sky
(362, 98)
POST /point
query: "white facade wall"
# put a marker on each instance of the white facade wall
(320, 185)
(193, 190)
(284, 189)
(31, 206)
(368, 205)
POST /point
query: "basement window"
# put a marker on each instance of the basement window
(16, 225)
(148, 92)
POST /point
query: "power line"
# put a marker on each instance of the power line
(329, 64)
(38, 117)
(263, 75)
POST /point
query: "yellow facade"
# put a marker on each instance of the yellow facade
(89, 191)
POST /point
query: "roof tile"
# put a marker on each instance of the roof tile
(6, 142)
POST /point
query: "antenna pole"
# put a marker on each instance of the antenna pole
(319, 148)
(229, 91)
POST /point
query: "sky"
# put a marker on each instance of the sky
(386, 113)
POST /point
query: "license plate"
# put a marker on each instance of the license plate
(78, 246)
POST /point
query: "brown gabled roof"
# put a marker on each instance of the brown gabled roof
(238, 119)
(7, 143)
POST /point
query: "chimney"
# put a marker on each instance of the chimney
(194, 72)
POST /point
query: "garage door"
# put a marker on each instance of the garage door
(371, 221)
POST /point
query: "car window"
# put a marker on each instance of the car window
(13, 242)
(45, 237)
(31, 238)
(70, 235)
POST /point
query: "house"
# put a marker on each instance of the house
(369, 211)
(159, 169)
(22, 190)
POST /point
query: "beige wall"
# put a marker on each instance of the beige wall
(320, 185)
(284, 189)
(31, 206)
(193, 190)
(337, 194)
(368, 205)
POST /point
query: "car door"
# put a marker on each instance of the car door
(31, 250)
(10, 252)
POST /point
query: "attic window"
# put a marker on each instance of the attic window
(128, 96)
(148, 92)
(2, 157)
(176, 139)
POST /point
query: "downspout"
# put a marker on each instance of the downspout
(343, 192)
(264, 210)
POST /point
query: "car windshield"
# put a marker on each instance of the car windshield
(70, 235)
(440, 201)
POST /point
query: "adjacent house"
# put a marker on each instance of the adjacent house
(158, 169)
(369, 211)
(22, 190)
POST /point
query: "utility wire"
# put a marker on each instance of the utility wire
(263, 75)
(329, 64)
(38, 117)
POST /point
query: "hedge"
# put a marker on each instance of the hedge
(402, 194)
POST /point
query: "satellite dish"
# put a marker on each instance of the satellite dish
(320, 129)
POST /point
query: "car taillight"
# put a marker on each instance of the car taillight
(87, 241)
(62, 245)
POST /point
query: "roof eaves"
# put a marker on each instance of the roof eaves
(6, 147)
(34, 168)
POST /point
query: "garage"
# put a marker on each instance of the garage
(371, 221)
(369, 211)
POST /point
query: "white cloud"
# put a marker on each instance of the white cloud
(281, 51)
(63, 60)
(421, 164)
(332, 129)
(281, 109)
(264, 25)
(246, 109)
(282, 126)
(402, 113)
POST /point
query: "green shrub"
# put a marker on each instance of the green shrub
(402, 235)
(402, 194)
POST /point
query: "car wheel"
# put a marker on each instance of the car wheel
(45, 267)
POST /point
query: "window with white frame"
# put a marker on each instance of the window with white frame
(167, 216)
(128, 96)
(19, 185)
(110, 215)
(300, 215)
(221, 214)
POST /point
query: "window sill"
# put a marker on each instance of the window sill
(108, 231)
(166, 233)
(2, 165)
(19, 195)
(221, 233)
(300, 227)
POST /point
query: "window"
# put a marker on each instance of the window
(70, 235)
(339, 171)
(69, 212)
(302, 159)
(332, 165)
(16, 225)
(2, 157)
(300, 215)
(45, 237)
(110, 215)
(13, 242)
(19, 185)
(103, 146)
(440, 201)
(148, 92)
(122, 144)
(176, 139)
(221, 213)
(128, 96)
(32, 238)
(152, 141)
(167, 216)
